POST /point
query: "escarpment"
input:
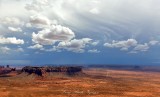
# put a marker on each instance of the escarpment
(42, 71)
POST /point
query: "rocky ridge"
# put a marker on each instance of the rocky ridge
(42, 71)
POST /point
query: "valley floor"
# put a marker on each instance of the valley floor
(96, 83)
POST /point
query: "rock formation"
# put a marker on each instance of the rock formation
(5, 70)
(41, 71)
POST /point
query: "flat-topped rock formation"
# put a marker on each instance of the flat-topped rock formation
(41, 71)
(5, 70)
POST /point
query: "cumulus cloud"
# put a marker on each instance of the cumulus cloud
(53, 49)
(19, 50)
(93, 51)
(32, 7)
(132, 44)
(7, 50)
(63, 36)
(37, 5)
(95, 43)
(10, 40)
(49, 36)
(13, 29)
(124, 49)
(141, 47)
(153, 42)
(28, 25)
(4, 50)
(75, 45)
(133, 52)
(124, 45)
(39, 20)
(10, 21)
(36, 46)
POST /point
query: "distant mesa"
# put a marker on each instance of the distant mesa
(5, 70)
(42, 71)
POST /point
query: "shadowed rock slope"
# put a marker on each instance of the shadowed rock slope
(43, 71)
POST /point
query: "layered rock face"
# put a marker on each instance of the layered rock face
(41, 71)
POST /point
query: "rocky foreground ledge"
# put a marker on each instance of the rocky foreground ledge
(41, 71)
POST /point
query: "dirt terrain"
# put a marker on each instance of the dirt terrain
(93, 83)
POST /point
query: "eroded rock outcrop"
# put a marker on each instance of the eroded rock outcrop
(5, 70)
(41, 71)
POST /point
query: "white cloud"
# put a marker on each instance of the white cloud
(141, 47)
(15, 29)
(19, 50)
(75, 45)
(108, 45)
(32, 7)
(4, 50)
(10, 40)
(49, 36)
(94, 11)
(124, 49)
(37, 5)
(93, 51)
(28, 25)
(54, 48)
(153, 42)
(124, 45)
(133, 52)
(10, 21)
(7, 50)
(39, 20)
(95, 43)
(36, 46)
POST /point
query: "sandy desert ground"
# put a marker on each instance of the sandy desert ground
(94, 83)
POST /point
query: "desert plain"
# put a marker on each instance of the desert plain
(93, 82)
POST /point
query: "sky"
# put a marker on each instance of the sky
(80, 32)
